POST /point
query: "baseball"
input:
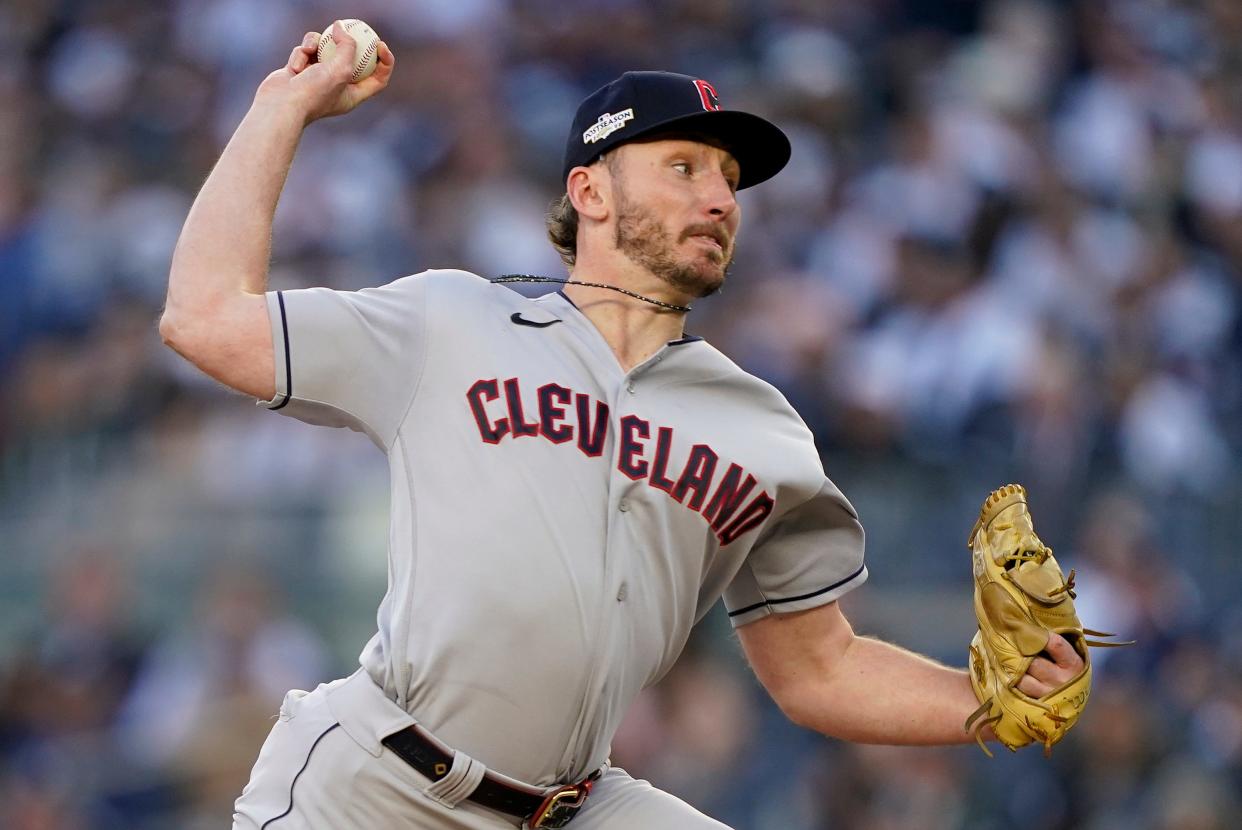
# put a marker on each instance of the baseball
(368, 47)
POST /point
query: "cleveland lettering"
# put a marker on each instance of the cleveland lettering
(724, 494)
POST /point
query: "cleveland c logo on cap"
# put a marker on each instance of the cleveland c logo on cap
(707, 93)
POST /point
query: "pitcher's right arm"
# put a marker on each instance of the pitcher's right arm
(216, 314)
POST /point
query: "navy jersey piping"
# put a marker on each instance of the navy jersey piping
(294, 782)
(838, 584)
(284, 329)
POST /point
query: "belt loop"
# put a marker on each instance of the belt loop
(458, 783)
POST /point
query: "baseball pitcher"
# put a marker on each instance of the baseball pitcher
(574, 483)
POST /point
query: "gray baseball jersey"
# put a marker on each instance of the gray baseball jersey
(558, 524)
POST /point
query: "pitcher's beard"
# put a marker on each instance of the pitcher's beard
(642, 238)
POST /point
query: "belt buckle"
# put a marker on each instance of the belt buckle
(560, 807)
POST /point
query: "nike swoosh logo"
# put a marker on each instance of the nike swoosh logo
(522, 321)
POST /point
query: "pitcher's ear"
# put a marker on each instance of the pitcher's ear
(589, 191)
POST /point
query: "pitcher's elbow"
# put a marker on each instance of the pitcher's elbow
(178, 333)
(169, 328)
(793, 706)
(801, 716)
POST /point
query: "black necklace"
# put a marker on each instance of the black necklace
(507, 278)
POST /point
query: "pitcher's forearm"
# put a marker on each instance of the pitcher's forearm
(225, 245)
(883, 694)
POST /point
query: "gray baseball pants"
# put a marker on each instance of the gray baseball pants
(319, 769)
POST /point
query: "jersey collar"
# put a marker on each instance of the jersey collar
(562, 299)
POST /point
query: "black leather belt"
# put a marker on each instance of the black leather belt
(539, 809)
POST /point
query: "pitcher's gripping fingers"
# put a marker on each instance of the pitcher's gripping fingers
(338, 71)
(1046, 674)
(323, 90)
(341, 63)
(302, 54)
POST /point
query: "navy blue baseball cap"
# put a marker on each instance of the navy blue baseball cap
(647, 104)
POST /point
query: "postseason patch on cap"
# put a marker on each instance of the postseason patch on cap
(606, 125)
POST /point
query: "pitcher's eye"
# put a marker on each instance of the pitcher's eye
(682, 167)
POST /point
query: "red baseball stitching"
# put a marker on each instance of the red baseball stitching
(326, 38)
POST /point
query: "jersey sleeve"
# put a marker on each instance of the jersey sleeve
(349, 358)
(811, 556)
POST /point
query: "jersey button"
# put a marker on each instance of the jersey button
(623, 506)
(630, 387)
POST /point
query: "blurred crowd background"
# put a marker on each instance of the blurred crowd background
(1008, 248)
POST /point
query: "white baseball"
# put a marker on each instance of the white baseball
(368, 47)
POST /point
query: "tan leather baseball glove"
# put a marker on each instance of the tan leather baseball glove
(1021, 596)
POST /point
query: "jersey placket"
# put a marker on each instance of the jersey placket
(615, 586)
